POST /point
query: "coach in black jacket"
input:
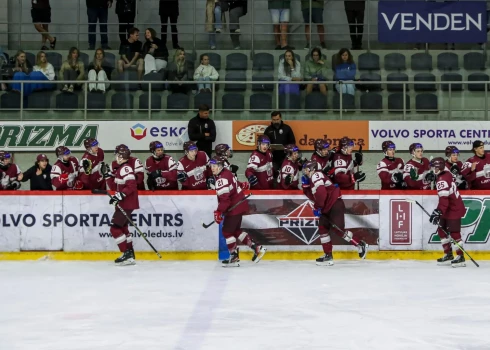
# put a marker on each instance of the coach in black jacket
(280, 134)
(202, 130)
(39, 174)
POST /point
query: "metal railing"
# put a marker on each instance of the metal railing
(446, 108)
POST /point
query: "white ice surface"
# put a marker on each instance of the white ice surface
(273, 305)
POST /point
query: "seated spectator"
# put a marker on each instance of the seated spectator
(99, 70)
(43, 70)
(155, 52)
(238, 8)
(72, 69)
(289, 70)
(39, 174)
(130, 52)
(20, 70)
(179, 70)
(316, 70)
(205, 72)
(345, 70)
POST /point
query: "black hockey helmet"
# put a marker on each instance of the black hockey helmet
(222, 150)
(346, 142)
(218, 160)
(321, 144)
(290, 149)
(450, 150)
(438, 163)
(122, 145)
(123, 153)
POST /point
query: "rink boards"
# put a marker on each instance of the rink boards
(75, 225)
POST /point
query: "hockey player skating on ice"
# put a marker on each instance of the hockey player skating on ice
(133, 162)
(345, 174)
(161, 169)
(448, 213)
(476, 170)
(330, 209)
(260, 170)
(90, 166)
(290, 168)
(127, 197)
(225, 151)
(10, 174)
(454, 165)
(390, 168)
(417, 173)
(230, 192)
(192, 169)
(64, 173)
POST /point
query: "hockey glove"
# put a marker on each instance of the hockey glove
(78, 185)
(210, 183)
(358, 158)
(244, 185)
(397, 177)
(317, 212)
(463, 185)
(359, 176)
(252, 180)
(435, 217)
(413, 174)
(401, 185)
(218, 216)
(327, 169)
(150, 182)
(156, 174)
(234, 168)
(302, 162)
(430, 177)
(87, 166)
(116, 198)
(14, 185)
(182, 177)
(63, 178)
(105, 170)
(455, 169)
(288, 180)
(305, 181)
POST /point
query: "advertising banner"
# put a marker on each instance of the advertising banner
(39, 136)
(432, 22)
(433, 135)
(245, 133)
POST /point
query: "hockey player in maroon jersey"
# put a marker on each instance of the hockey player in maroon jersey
(289, 173)
(476, 170)
(223, 150)
(323, 156)
(192, 169)
(344, 173)
(127, 197)
(454, 165)
(417, 173)
(330, 209)
(134, 163)
(10, 174)
(448, 213)
(390, 168)
(64, 173)
(260, 171)
(90, 166)
(230, 192)
(161, 169)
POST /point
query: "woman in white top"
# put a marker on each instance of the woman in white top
(205, 72)
(289, 70)
(43, 70)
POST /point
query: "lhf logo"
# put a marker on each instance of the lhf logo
(400, 222)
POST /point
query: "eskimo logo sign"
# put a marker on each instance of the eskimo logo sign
(478, 217)
(302, 223)
(45, 135)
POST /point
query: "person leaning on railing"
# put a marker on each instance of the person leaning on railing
(72, 69)
(39, 174)
(179, 70)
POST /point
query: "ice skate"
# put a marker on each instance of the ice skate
(362, 247)
(125, 259)
(131, 250)
(459, 261)
(446, 259)
(233, 261)
(259, 252)
(326, 260)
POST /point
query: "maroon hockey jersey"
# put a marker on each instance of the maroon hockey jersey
(95, 180)
(71, 168)
(386, 168)
(479, 179)
(260, 165)
(229, 193)
(343, 170)
(450, 202)
(125, 181)
(197, 171)
(322, 161)
(422, 169)
(458, 179)
(322, 192)
(138, 169)
(168, 168)
(288, 167)
(8, 175)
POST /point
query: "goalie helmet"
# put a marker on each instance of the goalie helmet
(311, 165)
(450, 150)
(3, 156)
(62, 151)
(154, 145)
(189, 146)
(387, 145)
(222, 150)
(90, 142)
(438, 163)
(415, 146)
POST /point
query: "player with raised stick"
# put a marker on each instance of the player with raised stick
(161, 169)
(230, 192)
(330, 209)
(448, 213)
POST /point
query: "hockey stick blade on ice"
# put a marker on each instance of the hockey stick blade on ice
(443, 230)
(95, 191)
(233, 207)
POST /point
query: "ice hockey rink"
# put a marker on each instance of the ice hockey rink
(198, 305)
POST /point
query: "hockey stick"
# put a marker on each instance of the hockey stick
(96, 191)
(233, 207)
(357, 169)
(443, 230)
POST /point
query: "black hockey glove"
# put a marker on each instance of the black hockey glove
(150, 182)
(435, 217)
(182, 176)
(288, 180)
(116, 198)
(105, 170)
(210, 183)
(430, 177)
(155, 174)
(252, 180)
(302, 162)
(397, 177)
(463, 185)
(234, 168)
(454, 169)
(327, 169)
(401, 185)
(87, 166)
(14, 185)
(358, 158)
(359, 176)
